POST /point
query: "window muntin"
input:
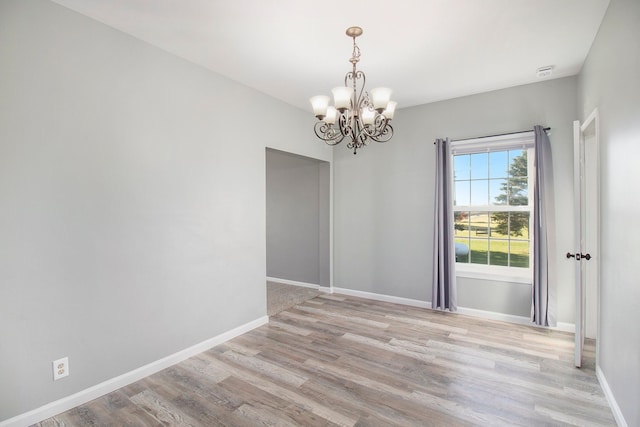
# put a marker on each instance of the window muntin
(492, 207)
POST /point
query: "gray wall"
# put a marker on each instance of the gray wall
(610, 81)
(297, 218)
(325, 231)
(132, 201)
(383, 197)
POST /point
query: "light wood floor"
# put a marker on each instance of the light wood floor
(337, 360)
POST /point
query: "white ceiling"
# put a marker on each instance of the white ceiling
(425, 50)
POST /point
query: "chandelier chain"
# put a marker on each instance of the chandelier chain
(355, 56)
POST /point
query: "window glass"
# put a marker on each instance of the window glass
(518, 178)
(498, 164)
(519, 225)
(461, 167)
(461, 226)
(499, 252)
(496, 190)
(480, 192)
(480, 166)
(519, 253)
(479, 224)
(465, 256)
(518, 191)
(492, 210)
(479, 251)
(462, 193)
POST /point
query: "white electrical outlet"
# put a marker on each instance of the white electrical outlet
(60, 368)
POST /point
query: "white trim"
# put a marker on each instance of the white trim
(493, 273)
(595, 118)
(326, 289)
(579, 148)
(385, 298)
(615, 409)
(492, 208)
(486, 144)
(473, 312)
(331, 196)
(512, 318)
(91, 393)
(577, 236)
(564, 327)
(493, 315)
(293, 282)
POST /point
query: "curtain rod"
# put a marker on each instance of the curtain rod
(500, 134)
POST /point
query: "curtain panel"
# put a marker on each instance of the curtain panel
(543, 307)
(443, 295)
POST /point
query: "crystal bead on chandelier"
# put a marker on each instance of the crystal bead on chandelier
(354, 114)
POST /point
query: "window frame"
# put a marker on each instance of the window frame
(518, 141)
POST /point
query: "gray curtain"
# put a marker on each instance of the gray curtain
(543, 308)
(443, 295)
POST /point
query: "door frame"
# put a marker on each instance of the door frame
(579, 141)
(326, 179)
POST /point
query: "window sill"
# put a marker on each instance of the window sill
(494, 274)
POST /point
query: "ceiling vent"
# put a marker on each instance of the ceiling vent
(544, 71)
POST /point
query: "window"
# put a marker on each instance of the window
(492, 207)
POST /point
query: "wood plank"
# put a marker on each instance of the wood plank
(341, 360)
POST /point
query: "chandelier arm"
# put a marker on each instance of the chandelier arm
(328, 133)
(360, 135)
(355, 145)
(362, 95)
(343, 123)
(358, 88)
(381, 122)
(349, 76)
(385, 135)
(376, 129)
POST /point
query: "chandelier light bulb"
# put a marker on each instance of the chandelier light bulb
(368, 116)
(390, 110)
(342, 97)
(380, 96)
(330, 118)
(320, 104)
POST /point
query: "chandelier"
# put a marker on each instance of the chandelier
(355, 114)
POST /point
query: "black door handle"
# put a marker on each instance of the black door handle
(578, 256)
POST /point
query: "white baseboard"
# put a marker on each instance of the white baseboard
(293, 282)
(491, 315)
(617, 413)
(512, 318)
(84, 396)
(385, 298)
(565, 327)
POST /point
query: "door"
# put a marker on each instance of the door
(586, 207)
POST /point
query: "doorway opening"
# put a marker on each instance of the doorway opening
(298, 228)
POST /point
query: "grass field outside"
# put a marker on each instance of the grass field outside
(496, 252)
(487, 245)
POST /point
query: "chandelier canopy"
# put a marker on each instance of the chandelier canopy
(355, 114)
